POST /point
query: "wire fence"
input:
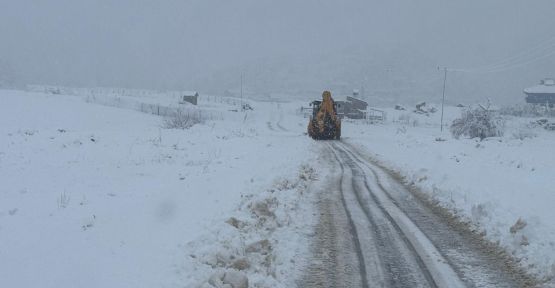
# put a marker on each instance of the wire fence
(154, 109)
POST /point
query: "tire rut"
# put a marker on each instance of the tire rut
(373, 232)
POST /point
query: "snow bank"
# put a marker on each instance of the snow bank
(266, 240)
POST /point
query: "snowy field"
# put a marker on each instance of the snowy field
(491, 183)
(97, 193)
(98, 196)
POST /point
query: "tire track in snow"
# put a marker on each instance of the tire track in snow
(408, 257)
(390, 237)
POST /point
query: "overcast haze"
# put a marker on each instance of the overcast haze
(280, 46)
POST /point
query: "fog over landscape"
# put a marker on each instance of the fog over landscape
(266, 143)
(390, 49)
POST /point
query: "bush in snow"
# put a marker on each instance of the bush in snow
(478, 122)
(181, 119)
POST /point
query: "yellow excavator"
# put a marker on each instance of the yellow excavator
(324, 123)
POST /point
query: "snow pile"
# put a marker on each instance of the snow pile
(422, 108)
(502, 185)
(264, 243)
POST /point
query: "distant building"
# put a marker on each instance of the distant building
(543, 94)
(352, 108)
(189, 97)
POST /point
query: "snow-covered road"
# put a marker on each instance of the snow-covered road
(373, 232)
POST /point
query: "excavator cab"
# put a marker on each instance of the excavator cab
(316, 107)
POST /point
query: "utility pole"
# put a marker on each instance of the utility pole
(241, 90)
(443, 99)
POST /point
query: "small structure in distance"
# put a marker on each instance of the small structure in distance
(189, 97)
(352, 108)
(542, 94)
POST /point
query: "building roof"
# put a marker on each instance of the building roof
(547, 86)
(189, 93)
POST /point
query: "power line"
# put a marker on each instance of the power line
(541, 51)
(541, 47)
(508, 66)
(514, 58)
(536, 53)
(516, 65)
